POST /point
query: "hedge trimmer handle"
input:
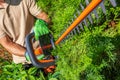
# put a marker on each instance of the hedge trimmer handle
(33, 59)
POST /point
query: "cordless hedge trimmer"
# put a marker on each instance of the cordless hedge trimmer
(41, 57)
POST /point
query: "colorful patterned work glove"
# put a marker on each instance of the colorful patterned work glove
(40, 28)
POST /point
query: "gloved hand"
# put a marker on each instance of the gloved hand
(39, 57)
(40, 28)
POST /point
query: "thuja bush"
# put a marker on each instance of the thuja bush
(12, 71)
(90, 56)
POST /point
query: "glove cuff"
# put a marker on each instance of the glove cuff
(27, 56)
(39, 57)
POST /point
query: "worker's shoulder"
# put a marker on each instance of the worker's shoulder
(28, 2)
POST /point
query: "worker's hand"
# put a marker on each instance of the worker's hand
(39, 57)
(40, 28)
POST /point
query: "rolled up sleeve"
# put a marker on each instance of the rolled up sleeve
(33, 7)
(2, 33)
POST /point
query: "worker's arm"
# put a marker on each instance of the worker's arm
(12, 47)
(42, 15)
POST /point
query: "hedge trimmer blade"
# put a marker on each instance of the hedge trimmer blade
(75, 26)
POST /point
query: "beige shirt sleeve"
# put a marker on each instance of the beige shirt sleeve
(2, 33)
(33, 8)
